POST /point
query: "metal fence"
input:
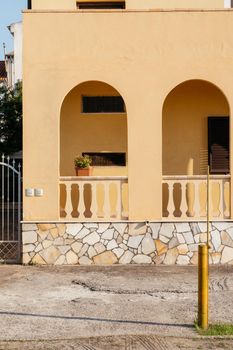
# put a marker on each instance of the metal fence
(10, 210)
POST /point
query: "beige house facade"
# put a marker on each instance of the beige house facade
(144, 88)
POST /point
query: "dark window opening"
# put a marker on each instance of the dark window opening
(218, 145)
(107, 159)
(98, 5)
(29, 4)
(103, 104)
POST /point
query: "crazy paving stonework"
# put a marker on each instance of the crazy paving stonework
(125, 243)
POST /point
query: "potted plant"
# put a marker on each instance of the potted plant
(83, 166)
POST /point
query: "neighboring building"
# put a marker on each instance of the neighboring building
(13, 60)
(16, 29)
(145, 88)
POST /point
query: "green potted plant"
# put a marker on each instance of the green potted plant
(83, 166)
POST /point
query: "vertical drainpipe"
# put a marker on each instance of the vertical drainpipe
(29, 4)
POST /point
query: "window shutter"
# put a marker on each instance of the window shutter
(218, 144)
(98, 5)
(103, 104)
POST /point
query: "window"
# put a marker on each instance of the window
(228, 3)
(218, 145)
(107, 159)
(103, 104)
(99, 5)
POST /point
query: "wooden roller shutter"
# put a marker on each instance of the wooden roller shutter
(99, 5)
(103, 104)
(218, 144)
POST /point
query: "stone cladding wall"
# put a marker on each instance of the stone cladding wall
(124, 243)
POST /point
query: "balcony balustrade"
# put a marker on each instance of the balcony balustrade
(93, 198)
(185, 197)
(105, 198)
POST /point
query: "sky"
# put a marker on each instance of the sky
(10, 12)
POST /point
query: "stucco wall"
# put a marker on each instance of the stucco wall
(185, 121)
(143, 56)
(53, 4)
(132, 4)
(152, 4)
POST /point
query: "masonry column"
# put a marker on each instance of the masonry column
(145, 157)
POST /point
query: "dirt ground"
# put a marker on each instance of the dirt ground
(119, 307)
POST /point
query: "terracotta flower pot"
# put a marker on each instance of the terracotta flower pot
(84, 171)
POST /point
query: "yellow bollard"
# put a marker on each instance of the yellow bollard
(203, 278)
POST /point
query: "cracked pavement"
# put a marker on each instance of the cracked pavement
(114, 307)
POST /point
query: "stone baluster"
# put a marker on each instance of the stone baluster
(119, 200)
(210, 200)
(226, 198)
(221, 198)
(69, 205)
(81, 204)
(196, 206)
(94, 204)
(170, 204)
(183, 204)
(203, 198)
(106, 207)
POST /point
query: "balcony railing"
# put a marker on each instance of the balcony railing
(105, 198)
(185, 197)
(99, 198)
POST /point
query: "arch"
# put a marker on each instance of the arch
(186, 109)
(73, 86)
(175, 84)
(90, 132)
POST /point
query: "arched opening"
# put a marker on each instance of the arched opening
(185, 126)
(92, 132)
(93, 122)
(195, 133)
